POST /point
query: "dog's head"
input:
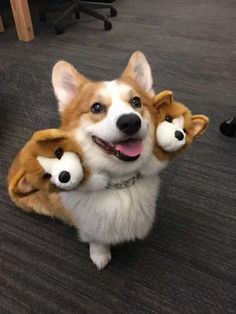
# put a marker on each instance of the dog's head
(49, 161)
(176, 127)
(109, 119)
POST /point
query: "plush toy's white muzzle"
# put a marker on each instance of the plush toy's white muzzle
(66, 173)
(170, 135)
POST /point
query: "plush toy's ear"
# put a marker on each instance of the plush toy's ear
(139, 69)
(199, 124)
(49, 134)
(20, 185)
(67, 82)
(164, 98)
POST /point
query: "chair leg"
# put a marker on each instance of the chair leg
(66, 14)
(84, 9)
(77, 14)
(88, 11)
(94, 5)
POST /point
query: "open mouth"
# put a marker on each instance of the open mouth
(128, 150)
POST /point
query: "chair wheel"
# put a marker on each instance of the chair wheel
(77, 14)
(228, 128)
(113, 12)
(43, 17)
(59, 30)
(107, 26)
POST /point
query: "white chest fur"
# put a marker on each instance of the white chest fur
(113, 216)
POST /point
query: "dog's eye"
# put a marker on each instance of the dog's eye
(169, 119)
(46, 176)
(185, 131)
(136, 102)
(97, 108)
(59, 153)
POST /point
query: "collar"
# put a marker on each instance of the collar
(125, 183)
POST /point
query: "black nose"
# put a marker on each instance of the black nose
(179, 135)
(129, 123)
(64, 177)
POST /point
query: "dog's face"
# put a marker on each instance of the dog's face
(49, 161)
(109, 119)
(176, 127)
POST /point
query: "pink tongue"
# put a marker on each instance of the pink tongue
(130, 148)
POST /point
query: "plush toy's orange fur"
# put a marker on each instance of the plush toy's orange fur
(28, 185)
(194, 125)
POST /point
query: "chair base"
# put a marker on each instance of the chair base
(84, 7)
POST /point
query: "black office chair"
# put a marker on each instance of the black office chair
(228, 127)
(77, 6)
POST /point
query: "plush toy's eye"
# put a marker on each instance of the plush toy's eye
(97, 108)
(184, 130)
(46, 176)
(136, 102)
(169, 119)
(59, 153)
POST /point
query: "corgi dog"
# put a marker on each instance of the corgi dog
(111, 121)
(48, 163)
(115, 123)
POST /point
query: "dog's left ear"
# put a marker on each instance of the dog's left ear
(199, 124)
(139, 69)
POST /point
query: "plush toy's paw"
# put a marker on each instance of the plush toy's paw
(100, 255)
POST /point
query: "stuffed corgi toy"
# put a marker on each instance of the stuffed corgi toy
(48, 163)
(176, 127)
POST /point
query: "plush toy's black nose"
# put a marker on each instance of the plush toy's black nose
(129, 123)
(64, 177)
(179, 135)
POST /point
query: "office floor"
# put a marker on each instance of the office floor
(187, 264)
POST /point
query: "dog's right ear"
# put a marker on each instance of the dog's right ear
(20, 186)
(164, 98)
(66, 81)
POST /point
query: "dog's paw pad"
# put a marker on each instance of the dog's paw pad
(101, 260)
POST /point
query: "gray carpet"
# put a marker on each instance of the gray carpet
(188, 263)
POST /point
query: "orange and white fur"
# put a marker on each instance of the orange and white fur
(115, 123)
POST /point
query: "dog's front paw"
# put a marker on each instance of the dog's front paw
(100, 260)
(100, 255)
